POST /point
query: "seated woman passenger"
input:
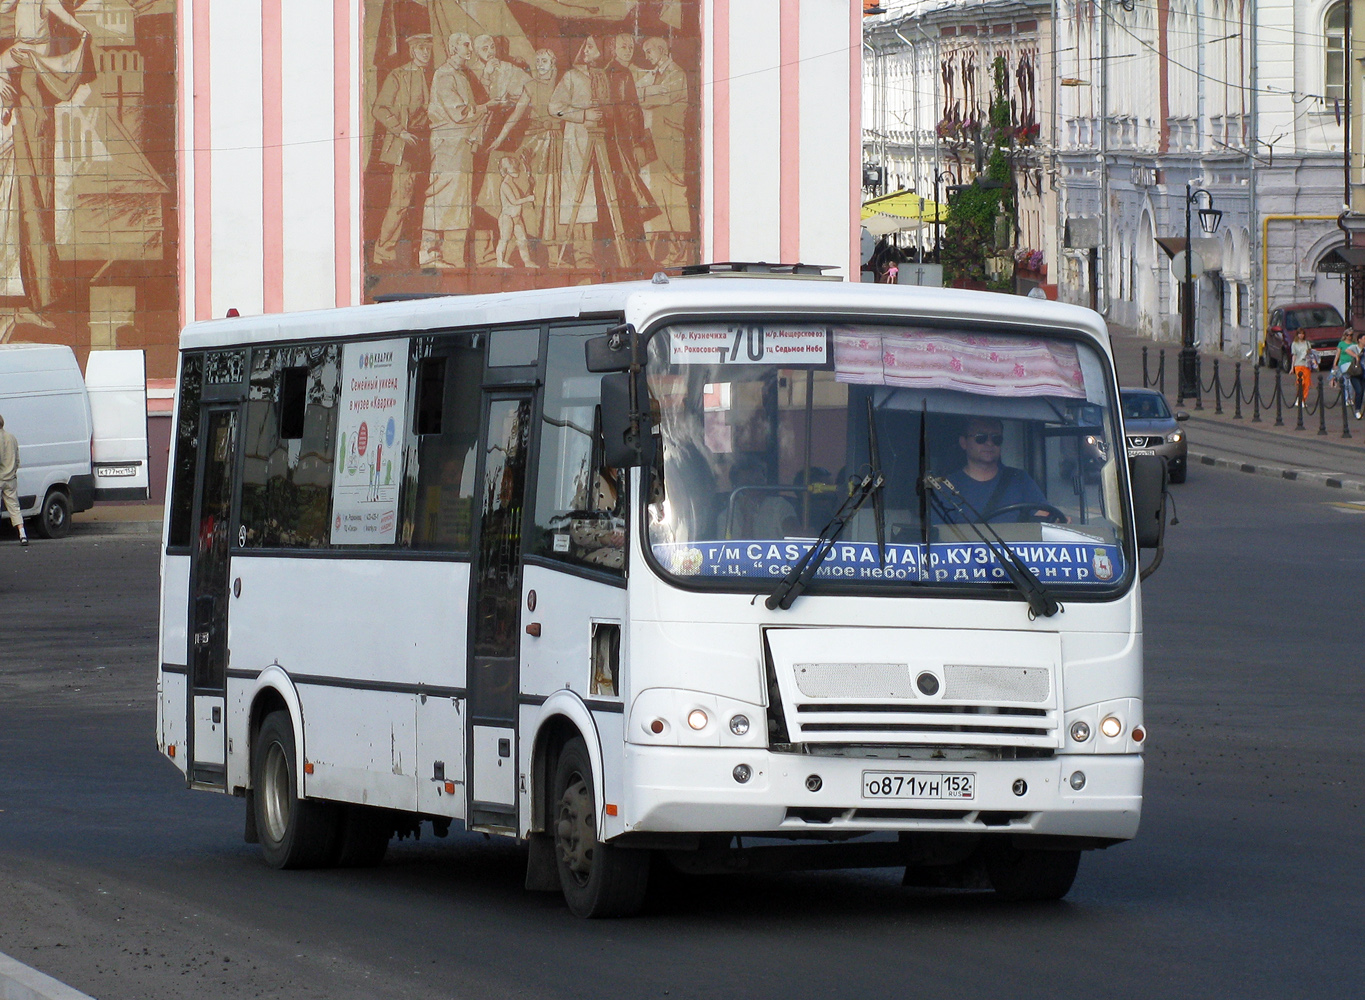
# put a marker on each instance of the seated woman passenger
(984, 482)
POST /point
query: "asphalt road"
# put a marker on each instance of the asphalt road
(1246, 879)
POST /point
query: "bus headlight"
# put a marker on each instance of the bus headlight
(697, 719)
(1111, 726)
(739, 724)
(1080, 730)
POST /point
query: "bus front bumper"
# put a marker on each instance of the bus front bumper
(695, 790)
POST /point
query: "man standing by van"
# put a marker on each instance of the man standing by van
(9, 480)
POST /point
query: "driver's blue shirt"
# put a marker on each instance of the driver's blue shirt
(1017, 486)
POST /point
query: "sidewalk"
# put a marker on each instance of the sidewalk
(1258, 448)
(20, 982)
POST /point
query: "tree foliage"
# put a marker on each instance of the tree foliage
(969, 231)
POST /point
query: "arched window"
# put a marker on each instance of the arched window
(1334, 65)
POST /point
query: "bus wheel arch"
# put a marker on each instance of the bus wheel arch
(563, 717)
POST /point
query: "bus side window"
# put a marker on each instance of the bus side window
(186, 450)
(580, 512)
(290, 444)
(438, 495)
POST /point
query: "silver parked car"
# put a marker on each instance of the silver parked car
(1151, 429)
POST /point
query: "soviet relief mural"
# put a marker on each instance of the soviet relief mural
(87, 175)
(526, 143)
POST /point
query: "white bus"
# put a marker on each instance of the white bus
(725, 570)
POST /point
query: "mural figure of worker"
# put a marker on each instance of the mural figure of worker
(40, 69)
(629, 146)
(543, 150)
(663, 95)
(457, 123)
(400, 112)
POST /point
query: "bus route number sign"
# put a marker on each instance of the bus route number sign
(748, 344)
(905, 785)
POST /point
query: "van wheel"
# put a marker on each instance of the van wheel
(598, 880)
(1029, 875)
(294, 832)
(54, 520)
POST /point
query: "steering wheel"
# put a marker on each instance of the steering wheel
(1031, 507)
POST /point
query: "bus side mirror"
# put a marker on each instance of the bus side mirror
(610, 353)
(623, 446)
(1147, 473)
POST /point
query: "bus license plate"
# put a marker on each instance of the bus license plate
(900, 785)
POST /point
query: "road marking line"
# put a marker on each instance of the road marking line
(1348, 508)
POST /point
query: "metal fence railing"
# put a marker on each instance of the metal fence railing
(1329, 394)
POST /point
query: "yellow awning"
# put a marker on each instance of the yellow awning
(906, 205)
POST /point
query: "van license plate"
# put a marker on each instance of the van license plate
(903, 785)
(116, 470)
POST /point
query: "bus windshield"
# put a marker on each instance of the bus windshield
(978, 438)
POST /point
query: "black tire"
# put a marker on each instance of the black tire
(1022, 875)
(294, 832)
(1176, 471)
(598, 880)
(54, 518)
(1286, 363)
(363, 836)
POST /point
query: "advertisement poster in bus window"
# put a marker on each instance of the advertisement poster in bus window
(374, 383)
(529, 143)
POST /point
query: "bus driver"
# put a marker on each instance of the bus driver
(986, 484)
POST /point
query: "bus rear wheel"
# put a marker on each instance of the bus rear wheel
(294, 832)
(1027, 875)
(598, 880)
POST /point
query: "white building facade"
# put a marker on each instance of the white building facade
(1244, 99)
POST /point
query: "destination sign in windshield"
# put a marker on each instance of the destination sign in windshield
(748, 344)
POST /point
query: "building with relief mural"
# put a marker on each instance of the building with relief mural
(163, 162)
(88, 200)
(397, 147)
(1244, 101)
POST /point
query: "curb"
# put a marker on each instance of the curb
(1332, 480)
(151, 528)
(19, 982)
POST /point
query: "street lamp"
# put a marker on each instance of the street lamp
(1209, 217)
(938, 214)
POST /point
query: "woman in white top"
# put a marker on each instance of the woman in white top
(1302, 352)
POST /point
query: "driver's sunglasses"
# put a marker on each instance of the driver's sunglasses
(995, 439)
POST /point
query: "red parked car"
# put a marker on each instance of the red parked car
(1320, 321)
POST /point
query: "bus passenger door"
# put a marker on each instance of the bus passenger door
(214, 521)
(495, 600)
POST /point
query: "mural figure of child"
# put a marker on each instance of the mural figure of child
(515, 194)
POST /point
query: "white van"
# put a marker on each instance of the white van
(45, 406)
(117, 384)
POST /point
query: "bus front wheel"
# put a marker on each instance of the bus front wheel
(598, 880)
(294, 832)
(1029, 875)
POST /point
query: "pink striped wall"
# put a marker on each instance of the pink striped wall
(272, 156)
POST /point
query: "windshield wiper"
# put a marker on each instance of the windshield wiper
(874, 456)
(799, 576)
(1040, 602)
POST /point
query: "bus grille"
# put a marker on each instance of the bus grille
(878, 703)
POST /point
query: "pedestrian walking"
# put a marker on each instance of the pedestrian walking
(1302, 352)
(1347, 369)
(9, 480)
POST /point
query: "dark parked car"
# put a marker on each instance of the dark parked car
(1150, 428)
(1320, 321)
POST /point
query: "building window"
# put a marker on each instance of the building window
(1335, 65)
